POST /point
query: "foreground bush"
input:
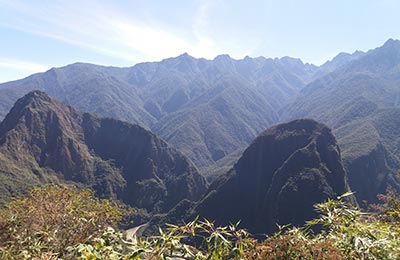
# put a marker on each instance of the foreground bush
(361, 235)
(211, 242)
(65, 223)
(347, 233)
(51, 219)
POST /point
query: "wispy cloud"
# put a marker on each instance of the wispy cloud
(108, 31)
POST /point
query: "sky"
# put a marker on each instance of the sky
(36, 35)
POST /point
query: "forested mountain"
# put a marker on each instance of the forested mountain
(43, 140)
(205, 108)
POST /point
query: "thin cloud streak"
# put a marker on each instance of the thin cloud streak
(70, 40)
(107, 31)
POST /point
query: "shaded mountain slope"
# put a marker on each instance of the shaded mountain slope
(279, 177)
(236, 98)
(370, 148)
(43, 140)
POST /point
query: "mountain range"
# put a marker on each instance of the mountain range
(210, 111)
(205, 108)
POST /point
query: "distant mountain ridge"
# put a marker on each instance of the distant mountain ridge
(337, 62)
(43, 140)
(205, 108)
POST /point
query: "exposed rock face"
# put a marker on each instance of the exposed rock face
(281, 175)
(43, 140)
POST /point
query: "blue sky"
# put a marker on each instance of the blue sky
(39, 34)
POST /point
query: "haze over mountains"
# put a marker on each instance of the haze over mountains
(211, 110)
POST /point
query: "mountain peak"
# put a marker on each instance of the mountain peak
(223, 57)
(382, 59)
(340, 60)
(184, 63)
(289, 61)
(35, 100)
(224, 60)
(36, 95)
(391, 46)
(35, 110)
(391, 43)
(185, 55)
(357, 52)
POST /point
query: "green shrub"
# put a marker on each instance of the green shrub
(52, 218)
(359, 235)
(212, 243)
(294, 244)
